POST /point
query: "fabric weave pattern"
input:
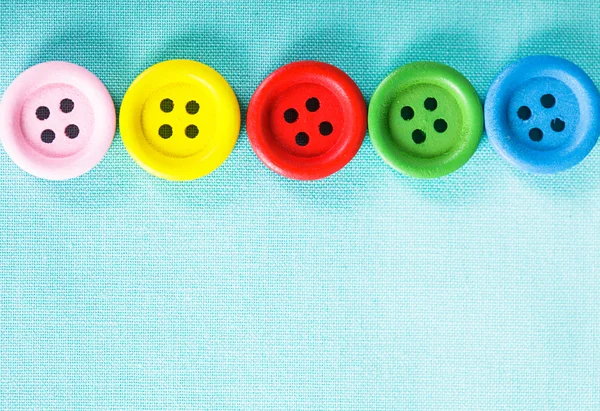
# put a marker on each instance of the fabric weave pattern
(368, 290)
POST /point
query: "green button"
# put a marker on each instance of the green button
(425, 120)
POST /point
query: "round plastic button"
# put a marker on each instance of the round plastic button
(179, 120)
(425, 120)
(307, 120)
(542, 114)
(57, 120)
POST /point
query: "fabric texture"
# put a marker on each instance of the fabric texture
(243, 290)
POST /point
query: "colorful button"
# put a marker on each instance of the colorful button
(307, 120)
(57, 120)
(542, 114)
(425, 120)
(179, 120)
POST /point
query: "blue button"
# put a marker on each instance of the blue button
(542, 114)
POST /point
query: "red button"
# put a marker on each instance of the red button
(307, 120)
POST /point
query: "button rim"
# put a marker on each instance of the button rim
(225, 135)
(20, 150)
(351, 101)
(539, 161)
(450, 80)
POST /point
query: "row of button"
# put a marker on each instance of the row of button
(180, 119)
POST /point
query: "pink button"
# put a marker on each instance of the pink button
(57, 120)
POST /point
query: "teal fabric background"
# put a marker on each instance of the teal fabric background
(244, 290)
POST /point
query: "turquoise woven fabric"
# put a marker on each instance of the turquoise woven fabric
(244, 290)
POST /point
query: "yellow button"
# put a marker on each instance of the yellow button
(179, 120)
